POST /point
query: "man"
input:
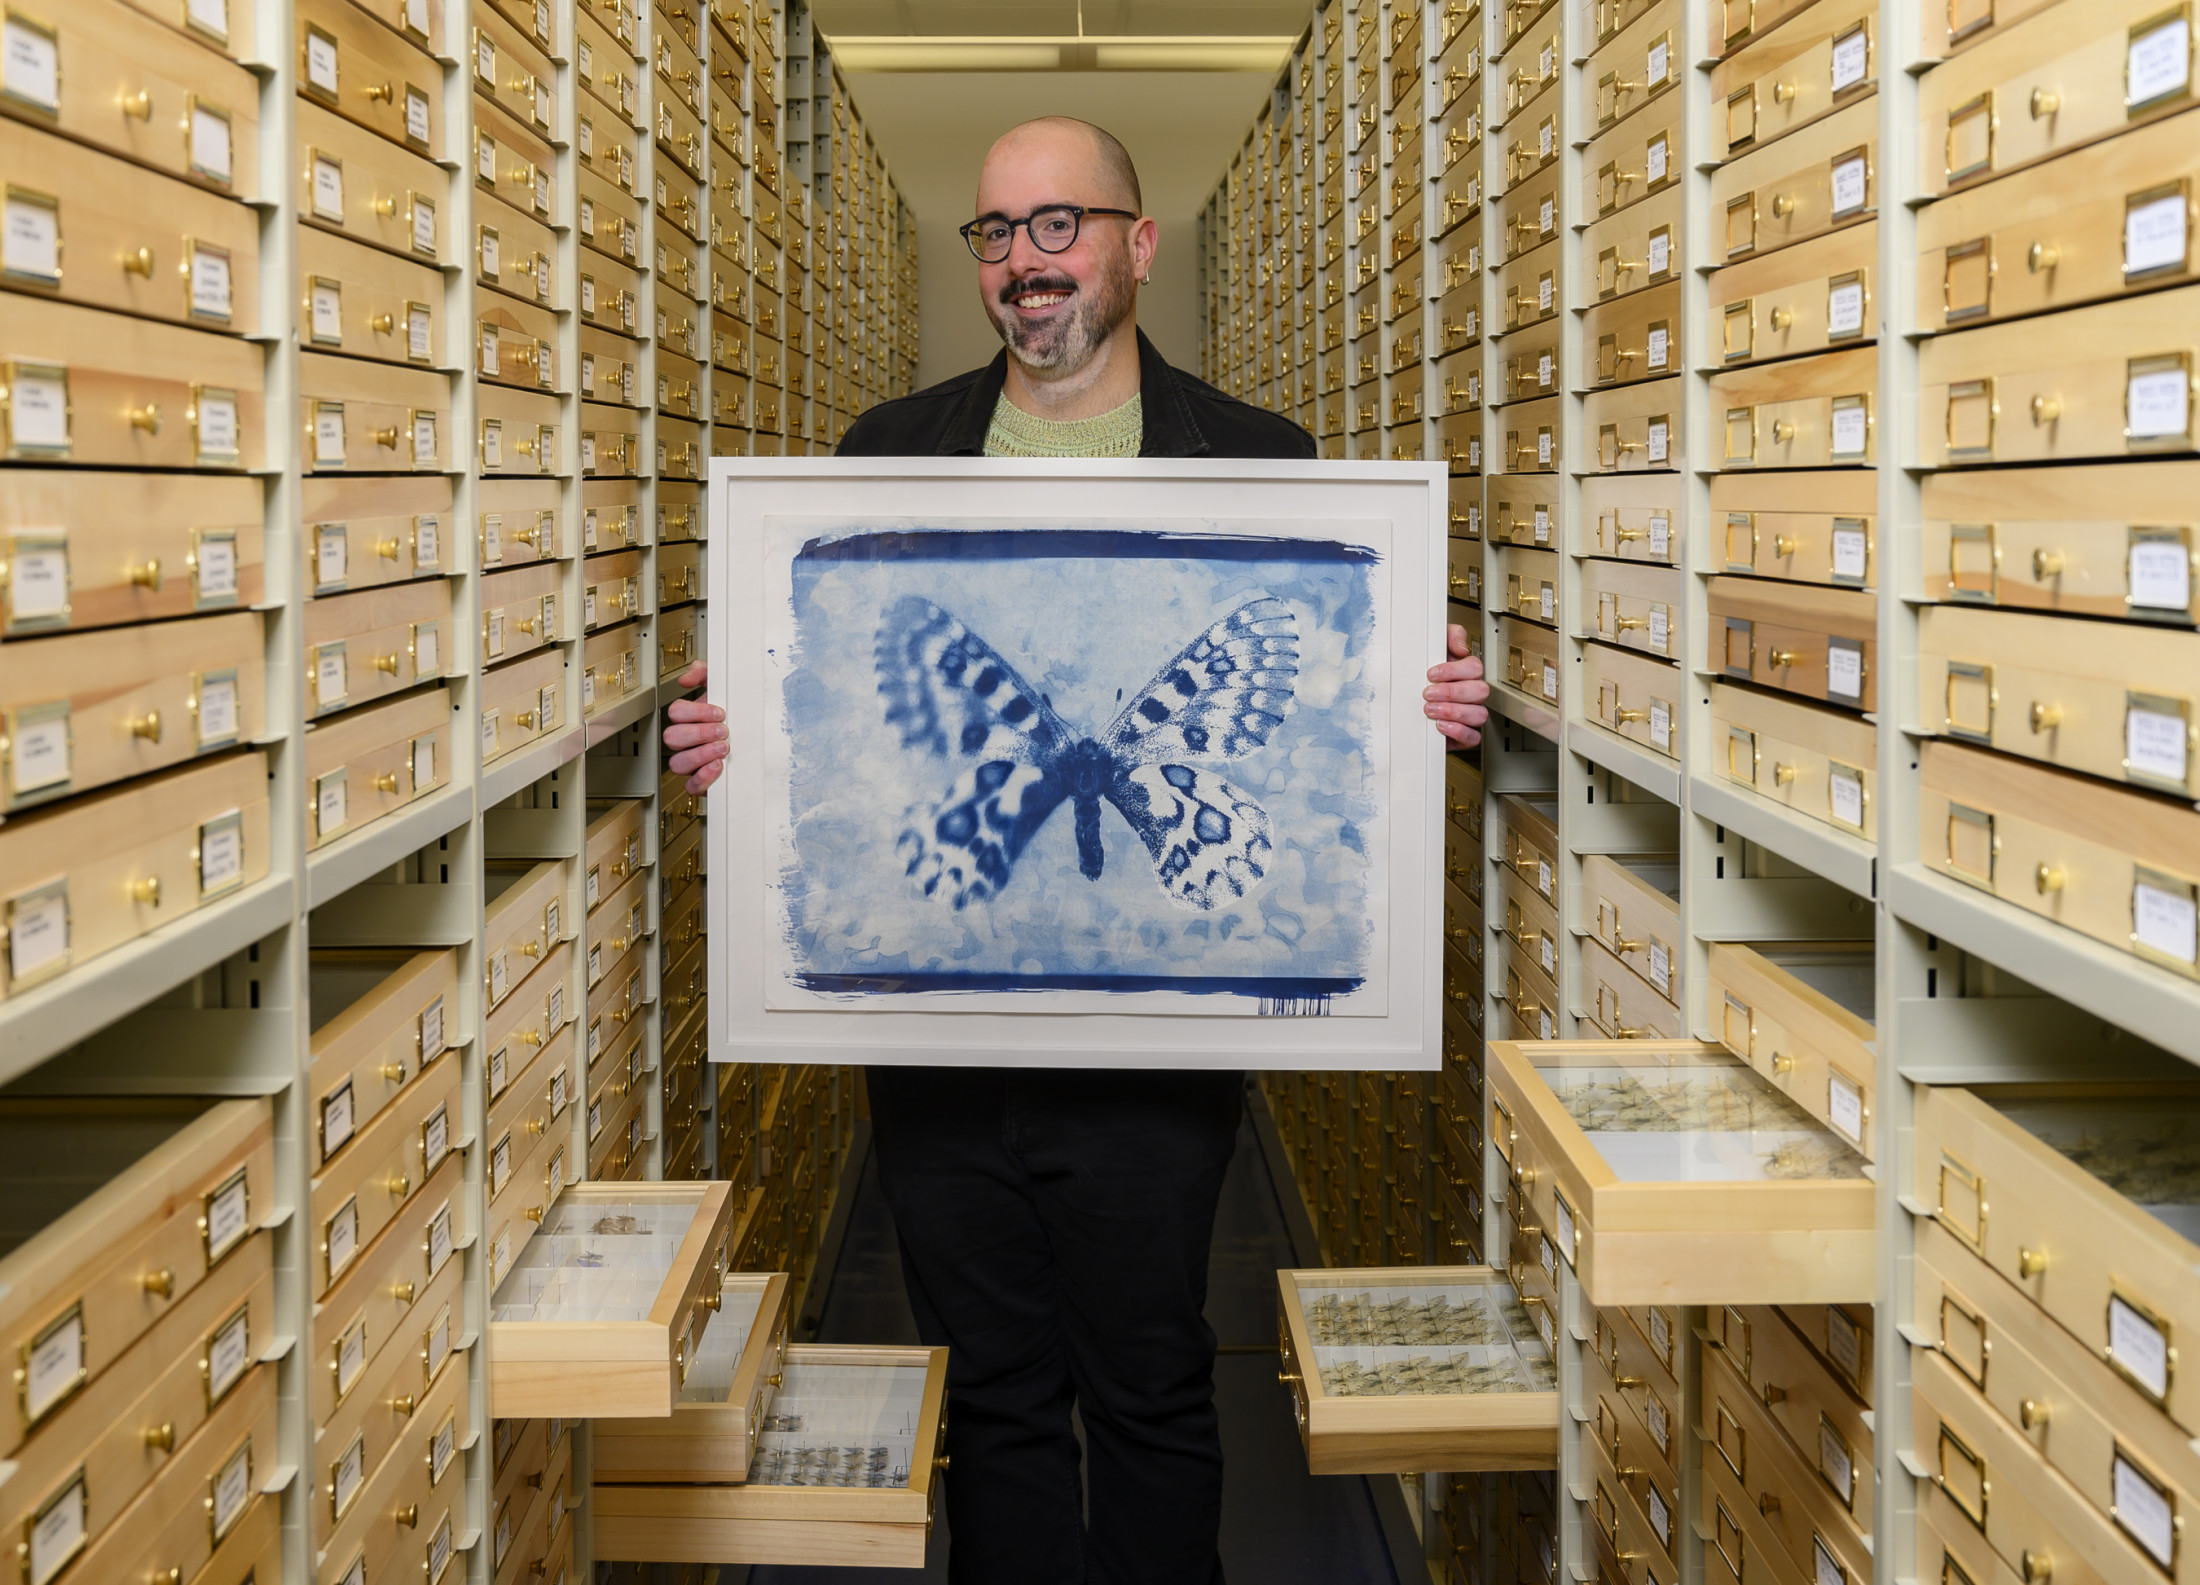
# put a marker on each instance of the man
(1055, 1223)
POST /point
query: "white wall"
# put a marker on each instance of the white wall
(934, 128)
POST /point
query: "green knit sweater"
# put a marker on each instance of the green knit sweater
(1016, 433)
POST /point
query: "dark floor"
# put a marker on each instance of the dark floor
(1280, 1525)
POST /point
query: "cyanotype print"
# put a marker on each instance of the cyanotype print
(1082, 762)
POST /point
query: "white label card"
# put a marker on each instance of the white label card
(1845, 310)
(1844, 671)
(58, 1533)
(1826, 1569)
(1851, 59)
(38, 756)
(1661, 253)
(2162, 921)
(1661, 961)
(341, 1240)
(2154, 745)
(431, 1031)
(423, 758)
(328, 436)
(349, 1475)
(1659, 339)
(439, 1240)
(55, 1366)
(210, 289)
(1661, 536)
(332, 556)
(208, 16)
(2157, 63)
(1845, 1111)
(328, 188)
(1550, 681)
(2157, 404)
(1849, 185)
(228, 1352)
(30, 64)
(1660, 439)
(1845, 796)
(2154, 235)
(2142, 1509)
(232, 1490)
(330, 684)
(337, 1115)
(1542, 525)
(30, 244)
(416, 16)
(2138, 1346)
(1654, 162)
(1835, 1463)
(1661, 1517)
(416, 115)
(1848, 553)
(328, 311)
(210, 150)
(38, 411)
(1661, 1429)
(228, 1216)
(351, 1357)
(1657, 63)
(1661, 629)
(1850, 429)
(217, 419)
(2160, 575)
(321, 62)
(435, 1140)
(1547, 217)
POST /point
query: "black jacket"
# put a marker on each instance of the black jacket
(1185, 417)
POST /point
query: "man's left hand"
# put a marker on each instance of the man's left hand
(1456, 696)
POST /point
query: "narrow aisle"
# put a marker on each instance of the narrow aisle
(1280, 1525)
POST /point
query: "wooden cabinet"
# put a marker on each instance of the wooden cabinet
(1801, 1013)
(1821, 763)
(1820, 643)
(1636, 696)
(373, 761)
(1806, 527)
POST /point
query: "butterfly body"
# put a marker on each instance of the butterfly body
(1220, 698)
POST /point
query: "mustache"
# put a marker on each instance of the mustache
(1036, 283)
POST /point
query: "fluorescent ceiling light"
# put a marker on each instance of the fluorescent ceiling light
(1162, 53)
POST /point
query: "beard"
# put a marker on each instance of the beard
(1063, 345)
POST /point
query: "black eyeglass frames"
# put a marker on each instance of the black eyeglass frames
(1052, 229)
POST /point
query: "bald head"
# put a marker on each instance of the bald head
(1074, 148)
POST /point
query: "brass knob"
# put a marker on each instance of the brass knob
(2040, 257)
(1782, 318)
(2031, 1262)
(403, 1404)
(2048, 878)
(1783, 658)
(2046, 717)
(392, 1072)
(146, 891)
(386, 664)
(145, 574)
(386, 782)
(161, 1438)
(1782, 1064)
(139, 261)
(402, 1292)
(160, 1284)
(1783, 205)
(2039, 1567)
(408, 1516)
(1782, 92)
(2032, 1414)
(382, 324)
(385, 206)
(2046, 564)
(1782, 774)
(138, 106)
(146, 726)
(399, 1185)
(381, 93)
(1623, 715)
(386, 438)
(2044, 103)
(2045, 410)
(533, 1213)
(1773, 1393)
(146, 418)
(387, 549)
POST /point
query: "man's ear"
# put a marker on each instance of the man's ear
(1145, 245)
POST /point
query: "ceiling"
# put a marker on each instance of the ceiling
(1063, 18)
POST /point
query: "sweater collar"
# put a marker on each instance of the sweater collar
(1171, 431)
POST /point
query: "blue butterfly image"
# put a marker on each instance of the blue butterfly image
(951, 695)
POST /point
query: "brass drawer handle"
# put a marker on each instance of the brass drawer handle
(2047, 564)
(399, 1185)
(2032, 1414)
(404, 1404)
(381, 93)
(2039, 257)
(139, 261)
(161, 1438)
(146, 418)
(2048, 878)
(145, 574)
(2031, 1262)
(160, 1284)
(402, 1292)
(1783, 658)
(2046, 717)
(408, 1516)
(386, 782)
(1782, 775)
(146, 726)
(2044, 103)
(2045, 410)
(146, 891)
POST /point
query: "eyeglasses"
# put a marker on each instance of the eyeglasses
(1052, 229)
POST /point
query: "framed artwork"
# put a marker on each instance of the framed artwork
(1078, 763)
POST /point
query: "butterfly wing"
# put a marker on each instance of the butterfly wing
(1221, 697)
(962, 850)
(1210, 843)
(947, 691)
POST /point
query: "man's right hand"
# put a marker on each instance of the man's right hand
(697, 735)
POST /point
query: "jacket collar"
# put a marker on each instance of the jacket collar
(1171, 430)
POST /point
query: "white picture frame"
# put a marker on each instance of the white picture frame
(770, 1000)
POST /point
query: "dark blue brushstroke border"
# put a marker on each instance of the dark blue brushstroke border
(889, 984)
(1025, 544)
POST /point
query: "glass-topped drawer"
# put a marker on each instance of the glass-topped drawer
(731, 1376)
(600, 1315)
(842, 1472)
(1671, 1172)
(1419, 1367)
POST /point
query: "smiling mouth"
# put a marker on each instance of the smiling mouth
(1035, 298)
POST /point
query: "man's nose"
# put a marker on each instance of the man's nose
(1026, 257)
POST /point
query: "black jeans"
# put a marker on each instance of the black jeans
(1054, 1235)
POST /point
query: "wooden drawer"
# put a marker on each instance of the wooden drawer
(1530, 288)
(1638, 157)
(612, 589)
(1806, 527)
(1650, 1484)
(1821, 763)
(374, 761)
(1531, 436)
(1816, 179)
(709, 1440)
(679, 449)
(98, 388)
(522, 703)
(366, 1177)
(1525, 918)
(543, 1364)
(1820, 643)
(1801, 1013)
(1531, 364)
(611, 441)
(520, 610)
(612, 515)
(2095, 858)
(1637, 1377)
(379, 1017)
(111, 76)
(1779, 1521)
(2096, 223)
(1792, 1225)
(2036, 539)
(679, 386)
(770, 1519)
(608, 147)
(374, 1306)
(613, 669)
(1972, 1455)
(1629, 605)
(1810, 297)
(361, 417)
(2115, 1273)
(1634, 427)
(368, 188)
(1618, 1003)
(1625, 516)
(387, 1506)
(515, 342)
(679, 641)
(2111, 380)
(517, 433)
(127, 1261)
(528, 1020)
(252, 1550)
(1634, 903)
(1635, 248)
(2078, 1415)
(514, 252)
(347, 60)
(519, 521)
(1632, 338)
(2047, 84)
(1806, 413)
(1530, 584)
(1531, 659)
(1636, 65)
(1949, 1549)
(610, 367)
(130, 552)
(1621, 1524)
(200, 1502)
(1634, 695)
(186, 255)
(513, 164)
(81, 710)
(529, 1161)
(195, 835)
(1817, 61)
(363, 647)
(1526, 840)
(1527, 1002)
(368, 302)
(524, 918)
(603, 59)
(2024, 684)
(512, 73)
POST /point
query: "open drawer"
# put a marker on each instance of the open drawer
(1671, 1172)
(598, 1315)
(1414, 1368)
(736, 1366)
(842, 1473)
